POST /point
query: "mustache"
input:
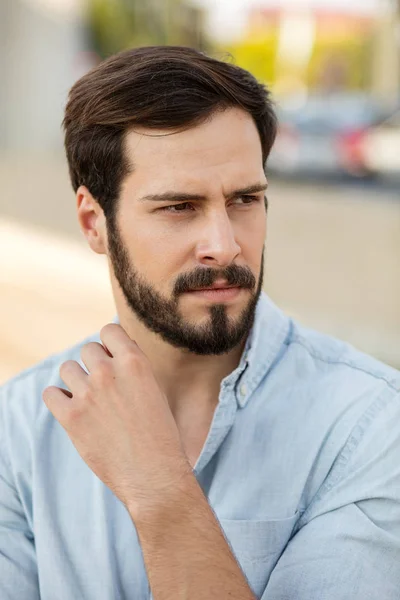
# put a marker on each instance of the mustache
(204, 278)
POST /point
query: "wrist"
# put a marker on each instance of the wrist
(168, 491)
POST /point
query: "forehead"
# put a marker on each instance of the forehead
(225, 150)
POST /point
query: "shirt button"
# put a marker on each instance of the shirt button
(243, 390)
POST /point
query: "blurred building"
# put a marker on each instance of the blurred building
(386, 58)
(40, 46)
(46, 45)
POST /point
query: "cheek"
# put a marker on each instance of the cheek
(252, 238)
(158, 258)
(254, 251)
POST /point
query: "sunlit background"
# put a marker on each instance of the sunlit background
(333, 246)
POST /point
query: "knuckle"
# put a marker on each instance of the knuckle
(102, 372)
(67, 366)
(86, 396)
(89, 346)
(131, 358)
(74, 414)
(108, 328)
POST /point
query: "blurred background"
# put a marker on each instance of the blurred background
(333, 247)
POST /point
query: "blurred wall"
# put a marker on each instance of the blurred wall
(39, 52)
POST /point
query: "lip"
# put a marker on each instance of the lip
(221, 294)
(217, 285)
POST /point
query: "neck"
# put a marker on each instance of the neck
(189, 381)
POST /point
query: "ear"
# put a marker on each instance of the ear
(91, 220)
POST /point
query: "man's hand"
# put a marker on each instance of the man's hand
(119, 420)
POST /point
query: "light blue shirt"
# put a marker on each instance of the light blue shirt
(301, 467)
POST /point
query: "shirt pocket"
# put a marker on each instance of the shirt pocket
(257, 546)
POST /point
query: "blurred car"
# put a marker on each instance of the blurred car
(381, 148)
(325, 136)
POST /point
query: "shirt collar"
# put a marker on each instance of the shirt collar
(263, 346)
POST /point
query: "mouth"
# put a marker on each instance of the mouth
(216, 293)
(220, 284)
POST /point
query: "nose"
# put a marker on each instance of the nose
(217, 245)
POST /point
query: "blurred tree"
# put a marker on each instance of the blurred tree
(340, 64)
(339, 59)
(118, 24)
(257, 55)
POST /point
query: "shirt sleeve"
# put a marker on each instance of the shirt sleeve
(347, 543)
(18, 571)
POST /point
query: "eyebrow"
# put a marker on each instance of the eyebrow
(171, 196)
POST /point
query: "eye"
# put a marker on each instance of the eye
(183, 206)
(175, 208)
(249, 199)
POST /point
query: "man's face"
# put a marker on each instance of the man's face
(208, 230)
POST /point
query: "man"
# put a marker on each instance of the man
(203, 445)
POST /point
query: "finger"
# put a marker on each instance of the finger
(116, 340)
(93, 353)
(74, 377)
(58, 401)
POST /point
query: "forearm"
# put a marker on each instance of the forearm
(185, 552)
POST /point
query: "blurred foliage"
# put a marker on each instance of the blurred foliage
(257, 56)
(345, 61)
(118, 24)
(342, 61)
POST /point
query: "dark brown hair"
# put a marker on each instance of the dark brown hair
(165, 87)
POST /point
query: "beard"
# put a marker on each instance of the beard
(218, 335)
